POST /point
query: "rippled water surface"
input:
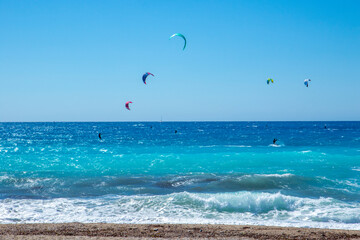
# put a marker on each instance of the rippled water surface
(207, 172)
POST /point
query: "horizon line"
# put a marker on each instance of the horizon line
(180, 121)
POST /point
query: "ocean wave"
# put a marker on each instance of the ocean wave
(26, 185)
(235, 182)
(220, 208)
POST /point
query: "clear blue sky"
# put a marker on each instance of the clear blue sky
(82, 60)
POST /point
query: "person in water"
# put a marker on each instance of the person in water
(175, 131)
(100, 136)
(274, 141)
(325, 126)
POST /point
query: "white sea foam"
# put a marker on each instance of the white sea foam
(284, 175)
(207, 146)
(3, 150)
(238, 146)
(4, 178)
(275, 175)
(275, 145)
(352, 182)
(221, 208)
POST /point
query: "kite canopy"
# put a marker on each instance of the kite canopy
(127, 105)
(179, 35)
(269, 80)
(145, 76)
(306, 82)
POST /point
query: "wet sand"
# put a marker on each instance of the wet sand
(106, 231)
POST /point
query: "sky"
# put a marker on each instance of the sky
(73, 60)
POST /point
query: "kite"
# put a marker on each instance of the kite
(179, 35)
(127, 105)
(145, 76)
(270, 80)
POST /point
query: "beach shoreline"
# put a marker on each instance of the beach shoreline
(165, 231)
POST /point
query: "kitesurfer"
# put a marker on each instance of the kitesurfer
(100, 136)
(274, 141)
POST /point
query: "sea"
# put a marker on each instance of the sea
(181, 172)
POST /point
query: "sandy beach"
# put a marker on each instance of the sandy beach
(166, 231)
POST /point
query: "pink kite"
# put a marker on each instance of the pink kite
(127, 105)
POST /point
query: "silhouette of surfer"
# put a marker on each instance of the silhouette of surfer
(274, 141)
(100, 136)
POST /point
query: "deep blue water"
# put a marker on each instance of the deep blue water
(207, 172)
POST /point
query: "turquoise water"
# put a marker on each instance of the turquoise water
(207, 172)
